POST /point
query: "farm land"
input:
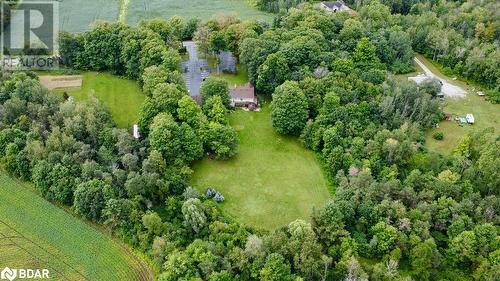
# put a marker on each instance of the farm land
(36, 234)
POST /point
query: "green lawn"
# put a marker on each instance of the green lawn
(239, 78)
(122, 97)
(147, 9)
(485, 113)
(37, 234)
(273, 179)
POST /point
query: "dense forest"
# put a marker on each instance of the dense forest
(399, 212)
(461, 36)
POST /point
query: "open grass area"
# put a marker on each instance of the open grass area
(147, 9)
(36, 234)
(122, 97)
(77, 16)
(485, 113)
(273, 179)
(238, 79)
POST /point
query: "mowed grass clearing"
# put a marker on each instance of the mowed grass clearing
(120, 96)
(37, 234)
(485, 113)
(273, 179)
(146, 9)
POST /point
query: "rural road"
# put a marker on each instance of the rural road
(447, 88)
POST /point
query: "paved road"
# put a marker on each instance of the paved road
(448, 89)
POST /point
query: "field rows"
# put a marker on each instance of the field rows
(78, 16)
(35, 233)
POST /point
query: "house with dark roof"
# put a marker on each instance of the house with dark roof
(243, 96)
(333, 7)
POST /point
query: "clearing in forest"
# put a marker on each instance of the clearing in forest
(486, 114)
(36, 234)
(273, 179)
(123, 98)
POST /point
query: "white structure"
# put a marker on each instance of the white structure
(470, 118)
(136, 131)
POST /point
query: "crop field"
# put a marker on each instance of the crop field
(121, 97)
(273, 179)
(36, 234)
(77, 15)
(144, 9)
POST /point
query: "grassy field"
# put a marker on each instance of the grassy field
(240, 78)
(77, 16)
(485, 113)
(122, 97)
(144, 9)
(273, 179)
(37, 234)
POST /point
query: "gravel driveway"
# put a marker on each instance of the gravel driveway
(447, 88)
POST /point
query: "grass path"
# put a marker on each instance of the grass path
(123, 10)
(273, 179)
(37, 234)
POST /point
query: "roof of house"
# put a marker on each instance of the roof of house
(242, 92)
(331, 5)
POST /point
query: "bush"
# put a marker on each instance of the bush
(438, 135)
(210, 192)
(219, 198)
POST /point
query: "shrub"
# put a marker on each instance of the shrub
(219, 198)
(210, 192)
(438, 135)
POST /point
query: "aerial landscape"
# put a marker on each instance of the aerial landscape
(264, 140)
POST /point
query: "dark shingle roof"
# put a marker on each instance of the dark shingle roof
(332, 5)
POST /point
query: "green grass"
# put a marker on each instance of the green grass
(146, 9)
(77, 16)
(240, 78)
(485, 113)
(121, 97)
(37, 234)
(273, 179)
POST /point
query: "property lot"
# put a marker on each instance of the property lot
(273, 179)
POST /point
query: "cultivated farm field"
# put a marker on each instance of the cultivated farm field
(36, 234)
(272, 181)
(77, 16)
(147, 9)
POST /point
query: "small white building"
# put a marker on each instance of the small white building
(470, 118)
(136, 132)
